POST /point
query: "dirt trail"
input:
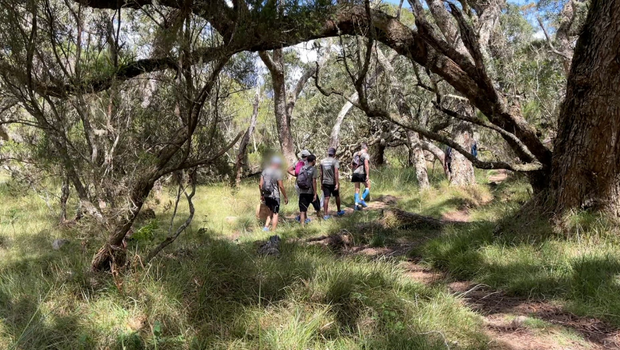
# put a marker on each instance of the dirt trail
(511, 323)
(514, 323)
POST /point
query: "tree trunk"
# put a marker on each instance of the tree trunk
(275, 65)
(334, 137)
(113, 252)
(462, 169)
(242, 157)
(586, 161)
(64, 197)
(418, 160)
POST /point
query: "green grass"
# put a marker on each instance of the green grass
(210, 290)
(523, 254)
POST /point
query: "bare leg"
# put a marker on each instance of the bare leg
(357, 195)
(268, 220)
(302, 218)
(337, 203)
(326, 205)
(274, 222)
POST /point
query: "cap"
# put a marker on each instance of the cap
(331, 151)
(304, 153)
(275, 160)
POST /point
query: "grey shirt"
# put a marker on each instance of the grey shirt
(328, 167)
(314, 173)
(272, 176)
(361, 169)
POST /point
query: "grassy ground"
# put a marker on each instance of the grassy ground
(210, 290)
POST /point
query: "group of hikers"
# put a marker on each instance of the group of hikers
(307, 173)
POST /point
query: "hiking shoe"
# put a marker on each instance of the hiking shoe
(327, 217)
(357, 207)
(363, 204)
(266, 229)
(307, 221)
(298, 218)
(340, 213)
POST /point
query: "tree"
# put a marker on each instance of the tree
(586, 160)
(466, 65)
(112, 146)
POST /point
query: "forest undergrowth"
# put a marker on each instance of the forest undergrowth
(211, 290)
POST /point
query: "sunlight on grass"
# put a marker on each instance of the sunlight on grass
(210, 290)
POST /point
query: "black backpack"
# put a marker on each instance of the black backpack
(357, 161)
(268, 186)
(304, 179)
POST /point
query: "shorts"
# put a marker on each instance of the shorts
(330, 191)
(358, 177)
(273, 204)
(305, 199)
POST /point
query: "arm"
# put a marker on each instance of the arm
(314, 188)
(366, 168)
(291, 170)
(260, 188)
(337, 175)
(281, 185)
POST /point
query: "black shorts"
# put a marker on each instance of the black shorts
(330, 191)
(358, 177)
(273, 204)
(305, 200)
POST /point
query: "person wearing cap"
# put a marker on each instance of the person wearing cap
(271, 186)
(330, 181)
(293, 170)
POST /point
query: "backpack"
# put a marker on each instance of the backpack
(298, 167)
(268, 186)
(304, 178)
(357, 161)
(474, 150)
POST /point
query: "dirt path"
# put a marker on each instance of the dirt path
(511, 323)
(514, 323)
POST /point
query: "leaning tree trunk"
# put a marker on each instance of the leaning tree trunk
(241, 164)
(586, 160)
(334, 137)
(275, 65)
(113, 252)
(418, 160)
(462, 169)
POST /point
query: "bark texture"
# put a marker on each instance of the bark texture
(241, 165)
(417, 159)
(275, 64)
(462, 169)
(334, 137)
(586, 161)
